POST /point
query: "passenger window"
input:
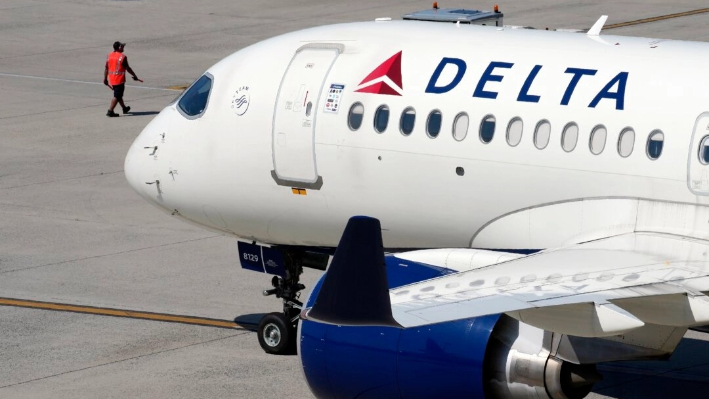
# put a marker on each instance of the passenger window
(514, 131)
(597, 141)
(626, 142)
(194, 101)
(433, 124)
(381, 119)
(487, 129)
(541, 134)
(654, 144)
(460, 126)
(704, 151)
(354, 118)
(407, 122)
(570, 136)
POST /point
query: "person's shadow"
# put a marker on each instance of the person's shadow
(142, 113)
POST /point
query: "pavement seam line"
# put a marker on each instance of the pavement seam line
(14, 75)
(123, 360)
(62, 180)
(111, 254)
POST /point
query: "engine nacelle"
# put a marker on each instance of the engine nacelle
(486, 357)
(385, 362)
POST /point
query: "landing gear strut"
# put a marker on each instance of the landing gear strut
(277, 331)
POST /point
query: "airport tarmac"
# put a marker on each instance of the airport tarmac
(91, 275)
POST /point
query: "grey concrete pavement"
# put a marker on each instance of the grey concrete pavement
(46, 354)
(73, 231)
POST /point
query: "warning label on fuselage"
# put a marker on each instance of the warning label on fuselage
(334, 95)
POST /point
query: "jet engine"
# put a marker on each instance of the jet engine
(486, 357)
(352, 346)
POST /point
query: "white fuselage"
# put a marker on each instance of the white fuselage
(235, 170)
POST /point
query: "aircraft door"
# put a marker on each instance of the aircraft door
(698, 173)
(295, 116)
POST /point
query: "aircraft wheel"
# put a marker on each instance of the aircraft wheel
(275, 334)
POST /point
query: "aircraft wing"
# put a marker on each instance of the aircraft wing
(595, 289)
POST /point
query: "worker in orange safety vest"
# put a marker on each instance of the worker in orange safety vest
(114, 76)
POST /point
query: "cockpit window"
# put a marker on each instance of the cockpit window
(194, 101)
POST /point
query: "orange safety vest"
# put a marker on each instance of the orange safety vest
(116, 71)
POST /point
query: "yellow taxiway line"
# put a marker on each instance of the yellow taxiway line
(655, 19)
(132, 314)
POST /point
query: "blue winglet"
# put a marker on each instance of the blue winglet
(355, 291)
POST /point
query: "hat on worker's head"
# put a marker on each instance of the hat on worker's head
(117, 45)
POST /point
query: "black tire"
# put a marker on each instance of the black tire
(275, 334)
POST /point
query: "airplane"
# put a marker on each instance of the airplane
(517, 205)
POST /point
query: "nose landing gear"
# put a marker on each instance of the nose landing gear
(277, 331)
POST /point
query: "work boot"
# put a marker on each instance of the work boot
(111, 114)
(126, 110)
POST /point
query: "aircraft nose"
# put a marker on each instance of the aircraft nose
(140, 166)
(136, 163)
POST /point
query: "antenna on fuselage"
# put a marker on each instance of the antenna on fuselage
(596, 28)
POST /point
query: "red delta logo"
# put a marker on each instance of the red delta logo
(385, 79)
